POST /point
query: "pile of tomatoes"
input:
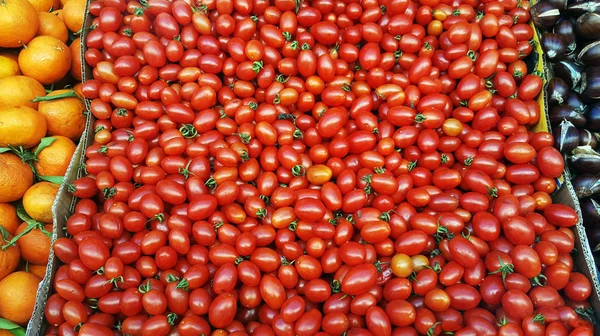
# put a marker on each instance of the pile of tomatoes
(316, 168)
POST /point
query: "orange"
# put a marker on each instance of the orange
(52, 25)
(45, 58)
(38, 200)
(19, 22)
(9, 257)
(8, 217)
(58, 13)
(15, 177)
(74, 14)
(19, 91)
(77, 88)
(5, 332)
(21, 126)
(17, 296)
(64, 116)
(54, 159)
(39, 270)
(8, 67)
(76, 62)
(42, 5)
(35, 245)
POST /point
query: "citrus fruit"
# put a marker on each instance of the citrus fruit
(8, 66)
(38, 200)
(39, 270)
(42, 5)
(74, 14)
(19, 22)
(21, 126)
(9, 257)
(8, 217)
(52, 25)
(54, 159)
(76, 62)
(35, 245)
(19, 91)
(15, 177)
(17, 296)
(45, 58)
(5, 332)
(64, 116)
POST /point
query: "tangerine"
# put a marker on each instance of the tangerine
(17, 296)
(20, 91)
(15, 177)
(45, 58)
(19, 22)
(64, 116)
(21, 126)
(38, 201)
(35, 245)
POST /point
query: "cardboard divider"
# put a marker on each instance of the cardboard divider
(65, 202)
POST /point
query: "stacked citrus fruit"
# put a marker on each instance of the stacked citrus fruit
(41, 119)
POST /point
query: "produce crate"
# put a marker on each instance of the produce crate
(65, 202)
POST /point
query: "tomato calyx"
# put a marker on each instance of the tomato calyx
(336, 287)
(282, 79)
(419, 118)
(431, 330)
(539, 280)
(211, 183)
(109, 193)
(380, 264)
(412, 165)
(588, 314)
(493, 192)
(468, 161)
(293, 225)
(261, 213)
(145, 287)
(287, 36)
(115, 281)
(502, 321)
(505, 269)
(286, 262)
(172, 318)
(539, 318)
(188, 131)
(186, 170)
(298, 170)
(257, 66)
(386, 216)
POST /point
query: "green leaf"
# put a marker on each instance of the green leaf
(24, 216)
(45, 142)
(52, 179)
(14, 328)
(4, 150)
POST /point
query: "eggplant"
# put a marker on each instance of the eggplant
(566, 29)
(590, 213)
(590, 84)
(585, 160)
(587, 26)
(560, 4)
(593, 117)
(579, 8)
(586, 185)
(557, 90)
(566, 112)
(554, 46)
(544, 15)
(576, 103)
(569, 71)
(590, 54)
(587, 138)
(566, 137)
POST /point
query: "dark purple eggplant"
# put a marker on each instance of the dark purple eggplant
(566, 137)
(587, 138)
(579, 8)
(590, 83)
(560, 4)
(544, 15)
(554, 46)
(569, 71)
(575, 102)
(586, 185)
(585, 160)
(558, 91)
(587, 26)
(590, 213)
(565, 112)
(593, 117)
(590, 54)
(566, 29)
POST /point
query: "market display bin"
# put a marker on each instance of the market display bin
(65, 201)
